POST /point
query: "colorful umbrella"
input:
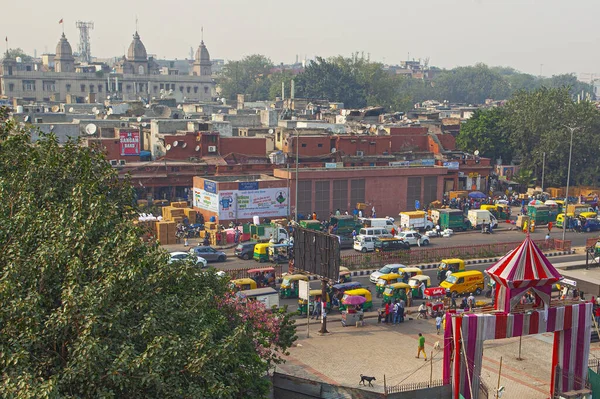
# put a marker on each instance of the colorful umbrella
(477, 195)
(354, 300)
(536, 202)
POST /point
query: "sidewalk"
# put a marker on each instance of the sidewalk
(341, 356)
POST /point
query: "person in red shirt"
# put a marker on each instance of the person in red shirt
(387, 312)
(597, 314)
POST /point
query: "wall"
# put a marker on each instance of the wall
(63, 131)
(369, 145)
(243, 145)
(238, 120)
(290, 387)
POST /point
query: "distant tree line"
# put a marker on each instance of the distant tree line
(358, 82)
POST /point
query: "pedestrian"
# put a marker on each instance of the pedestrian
(314, 215)
(338, 213)
(548, 240)
(525, 227)
(598, 315)
(317, 309)
(549, 227)
(396, 312)
(471, 301)
(401, 310)
(360, 214)
(387, 312)
(438, 323)
(421, 347)
(422, 289)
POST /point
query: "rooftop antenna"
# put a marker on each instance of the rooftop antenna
(136, 23)
(85, 49)
(202, 33)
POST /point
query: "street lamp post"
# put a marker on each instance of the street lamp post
(296, 193)
(543, 169)
(572, 130)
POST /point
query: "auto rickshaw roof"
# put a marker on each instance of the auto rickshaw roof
(344, 269)
(420, 277)
(261, 245)
(358, 292)
(399, 285)
(240, 281)
(453, 260)
(348, 285)
(410, 270)
(344, 273)
(264, 269)
(316, 292)
(390, 276)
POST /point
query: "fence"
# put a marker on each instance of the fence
(243, 273)
(431, 255)
(413, 386)
(594, 364)
(561, 376)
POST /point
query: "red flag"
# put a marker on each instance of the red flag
(61, 21)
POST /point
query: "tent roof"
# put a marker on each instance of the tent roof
(525, 266)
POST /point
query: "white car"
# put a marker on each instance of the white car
(387, 269)
(200, 261)
(412, 236)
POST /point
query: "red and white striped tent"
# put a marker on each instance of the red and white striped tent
(522, 269)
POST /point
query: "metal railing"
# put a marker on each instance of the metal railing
(413, 386)
(243, 273)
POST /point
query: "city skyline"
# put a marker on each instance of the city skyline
(528, 36)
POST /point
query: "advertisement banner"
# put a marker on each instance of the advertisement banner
(244, 204)
(210, 186)
(451, 165)
(206, 200)
(248, 185)
(130, 142)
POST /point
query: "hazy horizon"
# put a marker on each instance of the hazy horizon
(520, 34)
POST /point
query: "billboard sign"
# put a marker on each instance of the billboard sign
(210, 186)
(129, 142)
(244, 204)
(247, 185)
(206, 200)
(451, 165)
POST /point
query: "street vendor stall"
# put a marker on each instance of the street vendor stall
(435, 300)
(353, 313)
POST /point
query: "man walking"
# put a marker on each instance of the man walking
(401, 310)
(421, 347)
(387, 312)
(438, 323)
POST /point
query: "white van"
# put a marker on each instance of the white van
(375, 231)
(363, 243)
(386, 223)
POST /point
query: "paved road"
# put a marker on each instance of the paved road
(432, 273)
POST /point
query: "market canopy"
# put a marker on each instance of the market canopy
(477, 195)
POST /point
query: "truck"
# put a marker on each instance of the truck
(345, 224)
(576, 209)
(264, 232)
(450, 219)
(386, 223)
(268, 296)
(478, 217)
(540, 214)
(415, 220)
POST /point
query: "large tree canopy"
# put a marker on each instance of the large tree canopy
(91, 311)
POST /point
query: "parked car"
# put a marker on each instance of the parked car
(175, 256)
(244, 250)
(346, 241)
(387, 269)
(209, 253)
(413, 237)
(591, 225)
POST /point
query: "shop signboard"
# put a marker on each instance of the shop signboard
(451, 165)
(129, 142)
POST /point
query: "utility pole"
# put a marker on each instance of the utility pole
(571, 129)
(297, 152)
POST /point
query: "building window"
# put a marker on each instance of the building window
(303, 144)
(11, 86)
(196, 89)
(155, 88)
(162, 86)
(188, 89)
(68, 87)
(141, 70)
(99, 88)
(29, 85)
(91, 88)
(128, 88)
(319, 145)
(82, 87)
(181, 89)
(48, 85)
(205, 89)
(173, 86)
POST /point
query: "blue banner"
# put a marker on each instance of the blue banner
(210, 186)
(248, 185)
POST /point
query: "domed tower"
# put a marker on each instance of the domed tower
(202, 64)
(137, 56)
(64, 60)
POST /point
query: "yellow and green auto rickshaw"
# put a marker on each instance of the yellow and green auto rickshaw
(454, 265)
(314, 296)
(395, 292)
(289, 285)
(408, 272)
(261, 252)
(243, 284)
(358, 292)
(561, 217)
(503, 211)
(415, 283)
(385, 280)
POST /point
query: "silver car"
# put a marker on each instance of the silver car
(175, 256)
(209, 253)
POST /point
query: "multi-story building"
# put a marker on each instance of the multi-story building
(135, 75)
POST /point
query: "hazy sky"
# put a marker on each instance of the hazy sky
(561, 35)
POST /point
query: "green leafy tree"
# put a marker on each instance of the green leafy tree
(91, 311)
(485, 132)
(13, 53)
(247, 76)
(471, 84)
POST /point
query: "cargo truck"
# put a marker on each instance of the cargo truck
(478, 217)
(415, 220)
(540, 214)
(264, 232)
(450, 219)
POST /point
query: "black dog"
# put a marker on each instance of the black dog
(364, 378)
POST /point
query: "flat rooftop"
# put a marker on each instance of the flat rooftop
(241, 178)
